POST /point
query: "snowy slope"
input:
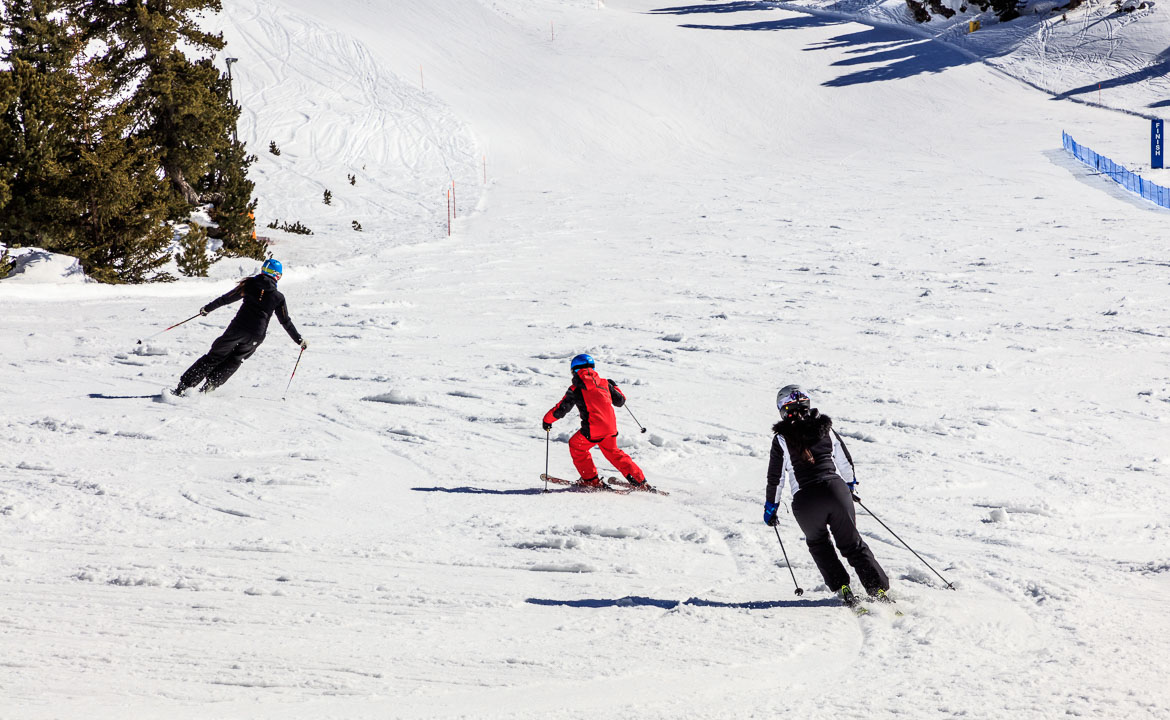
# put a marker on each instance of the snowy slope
(1094, 54)
(712, 214)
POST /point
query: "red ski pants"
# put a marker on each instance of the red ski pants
(579, 447)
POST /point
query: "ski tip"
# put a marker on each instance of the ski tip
(645, 488)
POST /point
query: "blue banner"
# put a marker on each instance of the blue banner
(1157, 143)
(1130, 181)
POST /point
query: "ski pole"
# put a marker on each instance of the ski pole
(887, 527)
(799, 589)
(294, 374)
(631, 412)
(172, 327)
(547, 434)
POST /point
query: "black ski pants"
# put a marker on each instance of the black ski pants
(821, 509)
(222, 360)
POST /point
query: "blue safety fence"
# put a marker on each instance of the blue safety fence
(1130, 181)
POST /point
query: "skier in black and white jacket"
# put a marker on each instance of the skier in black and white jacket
(810, 457)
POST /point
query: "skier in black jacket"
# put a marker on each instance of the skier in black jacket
(809, 455)
(246, 331)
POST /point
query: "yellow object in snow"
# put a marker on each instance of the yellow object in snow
(972, 26)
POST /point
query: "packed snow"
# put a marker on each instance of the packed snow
(712, 213)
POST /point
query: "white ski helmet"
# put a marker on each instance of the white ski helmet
(792, 401)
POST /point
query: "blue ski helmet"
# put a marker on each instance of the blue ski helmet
(581, 361)
(272, 268)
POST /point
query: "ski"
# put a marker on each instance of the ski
(885, 599)
(578, 487)
(616, 482)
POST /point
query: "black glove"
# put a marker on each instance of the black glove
(546, 425)
(202, 311)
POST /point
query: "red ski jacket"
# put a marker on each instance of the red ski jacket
(595, 398)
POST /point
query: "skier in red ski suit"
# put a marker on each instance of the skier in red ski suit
(595, 398)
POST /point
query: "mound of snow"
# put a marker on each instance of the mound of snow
(394, 397)
(34, 265)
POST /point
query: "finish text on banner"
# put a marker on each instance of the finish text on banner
(1157, 143)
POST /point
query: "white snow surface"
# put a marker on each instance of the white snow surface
(712, 214)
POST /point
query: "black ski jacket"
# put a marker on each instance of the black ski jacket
(806, 453)
(261, 300)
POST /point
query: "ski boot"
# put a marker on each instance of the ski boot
(635, 482)
(592, 483)
(848, 599)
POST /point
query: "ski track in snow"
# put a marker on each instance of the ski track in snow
(712, 215)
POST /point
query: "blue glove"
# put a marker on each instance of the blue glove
(770, 509)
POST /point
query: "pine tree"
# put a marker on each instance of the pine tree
(193, 260)
(185, 115)
(1006, 9)
(78, 181)
(123, 233)
(235, 211)
(227, 186)
(36, 91)
(191, 122)
(7, 263)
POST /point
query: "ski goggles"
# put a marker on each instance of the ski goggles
(797, 404)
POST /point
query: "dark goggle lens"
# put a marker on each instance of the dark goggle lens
(795, 408)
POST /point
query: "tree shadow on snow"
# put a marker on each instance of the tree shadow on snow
(792, 22)
(728, 7)
(895, 54)
(639, 601)
(468, 490)
(1160, 104)
(795, 22)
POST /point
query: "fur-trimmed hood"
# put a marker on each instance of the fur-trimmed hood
(804, 433)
